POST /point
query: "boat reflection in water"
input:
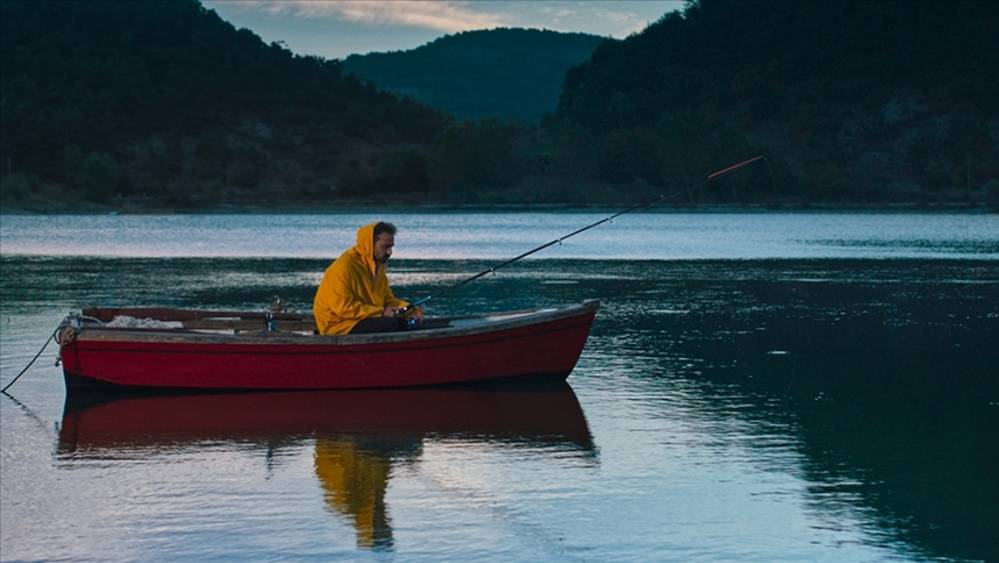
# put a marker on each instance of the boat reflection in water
(358, 435)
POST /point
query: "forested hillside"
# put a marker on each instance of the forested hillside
(504, 73)
(854, 101)
(163, 103)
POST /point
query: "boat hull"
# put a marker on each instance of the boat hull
(546, 347)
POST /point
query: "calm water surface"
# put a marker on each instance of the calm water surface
(755, 387)
(639, 236)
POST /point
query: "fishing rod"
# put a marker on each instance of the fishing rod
(658, 199)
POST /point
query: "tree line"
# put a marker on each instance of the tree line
(162, 103)
(162, 99)
(853, 101)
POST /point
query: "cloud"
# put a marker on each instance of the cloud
(557, 12)
(625, 23)
(446, 16)
(618, 18)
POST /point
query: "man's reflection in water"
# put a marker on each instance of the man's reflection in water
(354, 478)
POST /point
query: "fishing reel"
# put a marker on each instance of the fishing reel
(407, 320)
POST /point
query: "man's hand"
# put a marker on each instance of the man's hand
(415, 312)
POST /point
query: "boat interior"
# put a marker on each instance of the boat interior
(236, 322)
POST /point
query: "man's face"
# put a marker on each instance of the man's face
(383, 247)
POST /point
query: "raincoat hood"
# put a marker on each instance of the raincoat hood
(365, 246)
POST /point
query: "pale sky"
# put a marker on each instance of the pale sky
(337, 28)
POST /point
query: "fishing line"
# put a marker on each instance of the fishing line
(658, 199)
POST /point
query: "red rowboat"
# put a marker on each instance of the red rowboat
(171, 349)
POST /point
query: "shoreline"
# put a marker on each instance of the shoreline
(367, 207)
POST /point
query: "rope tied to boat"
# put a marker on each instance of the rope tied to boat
(64, 334)
(18, 376)
(67, 330)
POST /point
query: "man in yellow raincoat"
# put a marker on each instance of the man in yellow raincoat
(354, 296)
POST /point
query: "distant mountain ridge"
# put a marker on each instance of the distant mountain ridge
(507, 73)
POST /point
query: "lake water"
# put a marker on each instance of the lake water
(758, 387)
(637, 236)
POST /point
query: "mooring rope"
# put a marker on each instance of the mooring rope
(44, 346)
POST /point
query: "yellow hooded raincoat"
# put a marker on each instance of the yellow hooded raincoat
(354, 288)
